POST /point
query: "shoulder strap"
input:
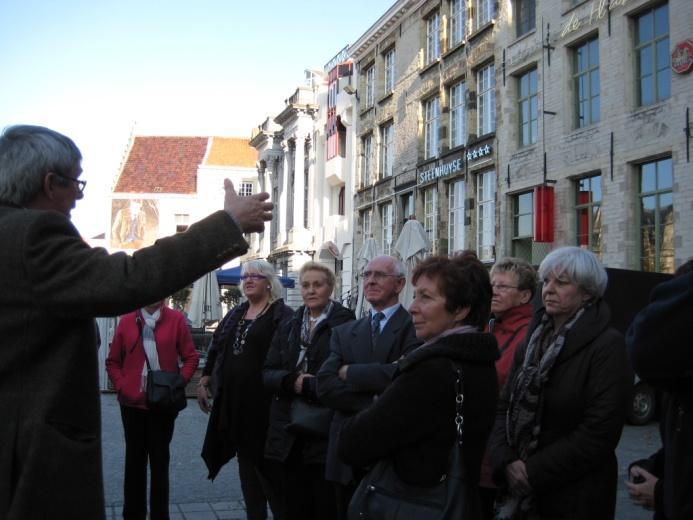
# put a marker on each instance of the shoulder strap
(509, 340)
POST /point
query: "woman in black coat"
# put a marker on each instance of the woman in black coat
(239, 418)
(561, 413)
(298, 349)
(413, 421)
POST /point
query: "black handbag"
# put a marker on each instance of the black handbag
(382, 495)
(309, 418)
(165, 390)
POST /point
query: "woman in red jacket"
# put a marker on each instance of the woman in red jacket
(165, 336)
(513, 282)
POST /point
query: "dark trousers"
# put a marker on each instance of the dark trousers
(302, 490)
(257, 488)
(487, 497)
(147, 438)
(343, 494)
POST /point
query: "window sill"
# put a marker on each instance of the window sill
(481, 138)
(385, 98)
(459, 45)
(365, 111)
(524, 36)
(429, 66)
(573, 7)
(481, 30)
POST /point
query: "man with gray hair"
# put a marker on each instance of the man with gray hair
(52, 287)
(363, 361)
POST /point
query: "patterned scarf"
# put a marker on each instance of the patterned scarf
(524, 415)
(149, 343)
(308, 326)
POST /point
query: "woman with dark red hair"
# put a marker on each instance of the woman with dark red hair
(413, 422)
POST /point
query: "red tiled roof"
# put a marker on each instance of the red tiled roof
(162, 165)
(231, 151)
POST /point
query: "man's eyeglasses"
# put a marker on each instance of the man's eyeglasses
(253, 276)
(500, 287)
(378, 275)
(80, 183)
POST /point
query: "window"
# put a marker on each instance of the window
(528, 109)
(387, 132)
(457, 22)
(524, 16)
(366, 159)
(386, 221)
(586, 81)
(522, 225)
(431, 121)
(246, 189)
(431, 212)
(456, 222)
(656, 216)
(458, 127)
(390, 71)
(370, 85)
(341, 201)
(182, 222)
(486, 216)
(588, 204)
(432, 38)
(486, 100)
(366, 223)
(652, 55)
(306, 198)
(484, 9)
(407, 205)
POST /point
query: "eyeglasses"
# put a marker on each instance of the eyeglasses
(253, 276)
(378, 275)
(502, 287)
(80, 183)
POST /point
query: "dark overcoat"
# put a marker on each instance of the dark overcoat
(280, 374)
(371, 369)
(51, 288)
(573, 471)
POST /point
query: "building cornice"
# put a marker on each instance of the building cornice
(386, 22)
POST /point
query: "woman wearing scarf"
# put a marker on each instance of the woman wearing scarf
(238, 422)
(299, 348)
(561, 413)
(164, 334)
(413, 421)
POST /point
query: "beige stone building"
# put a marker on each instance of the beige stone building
(512, 127)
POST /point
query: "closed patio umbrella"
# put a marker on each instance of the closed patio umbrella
(411, 246)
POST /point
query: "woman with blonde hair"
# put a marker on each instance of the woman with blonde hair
(298, 350)
(233, 375)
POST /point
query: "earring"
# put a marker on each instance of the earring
(269, 286)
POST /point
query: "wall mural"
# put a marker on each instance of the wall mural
(134, 223)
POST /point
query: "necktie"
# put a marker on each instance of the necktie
(375, 326)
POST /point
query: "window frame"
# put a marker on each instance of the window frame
(587, 73)
(652, 44)
(387, 149)
(432, 127)
(526, 24)
(456, 203)
(432, 38)
(387, 228)
(586, 208)
(367, 160)
(458, 115)
(484, 12)
(531, 101)
(370, 85)
(389, 61)
(486, 88)
(457, 22)
(430, 221)
(657, 193)
(518, 239)
(486, 215)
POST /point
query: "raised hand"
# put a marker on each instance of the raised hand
(250, 213)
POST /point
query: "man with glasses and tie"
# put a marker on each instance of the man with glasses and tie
(363, 361)
(52, 287)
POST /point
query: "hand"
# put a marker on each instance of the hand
(298, 384)
(516, 475)
(643, 493)
(204, 395)
(342, 373)
(250, 213)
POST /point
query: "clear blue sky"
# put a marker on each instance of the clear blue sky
(96, 69)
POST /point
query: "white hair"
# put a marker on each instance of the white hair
(580, 265)
(266, 269)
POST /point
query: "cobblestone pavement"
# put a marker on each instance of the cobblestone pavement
(193, 497)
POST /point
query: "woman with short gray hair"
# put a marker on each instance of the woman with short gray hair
(561, 413)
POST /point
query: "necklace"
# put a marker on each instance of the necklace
(242, 330)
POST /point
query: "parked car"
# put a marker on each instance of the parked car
(644, 404)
